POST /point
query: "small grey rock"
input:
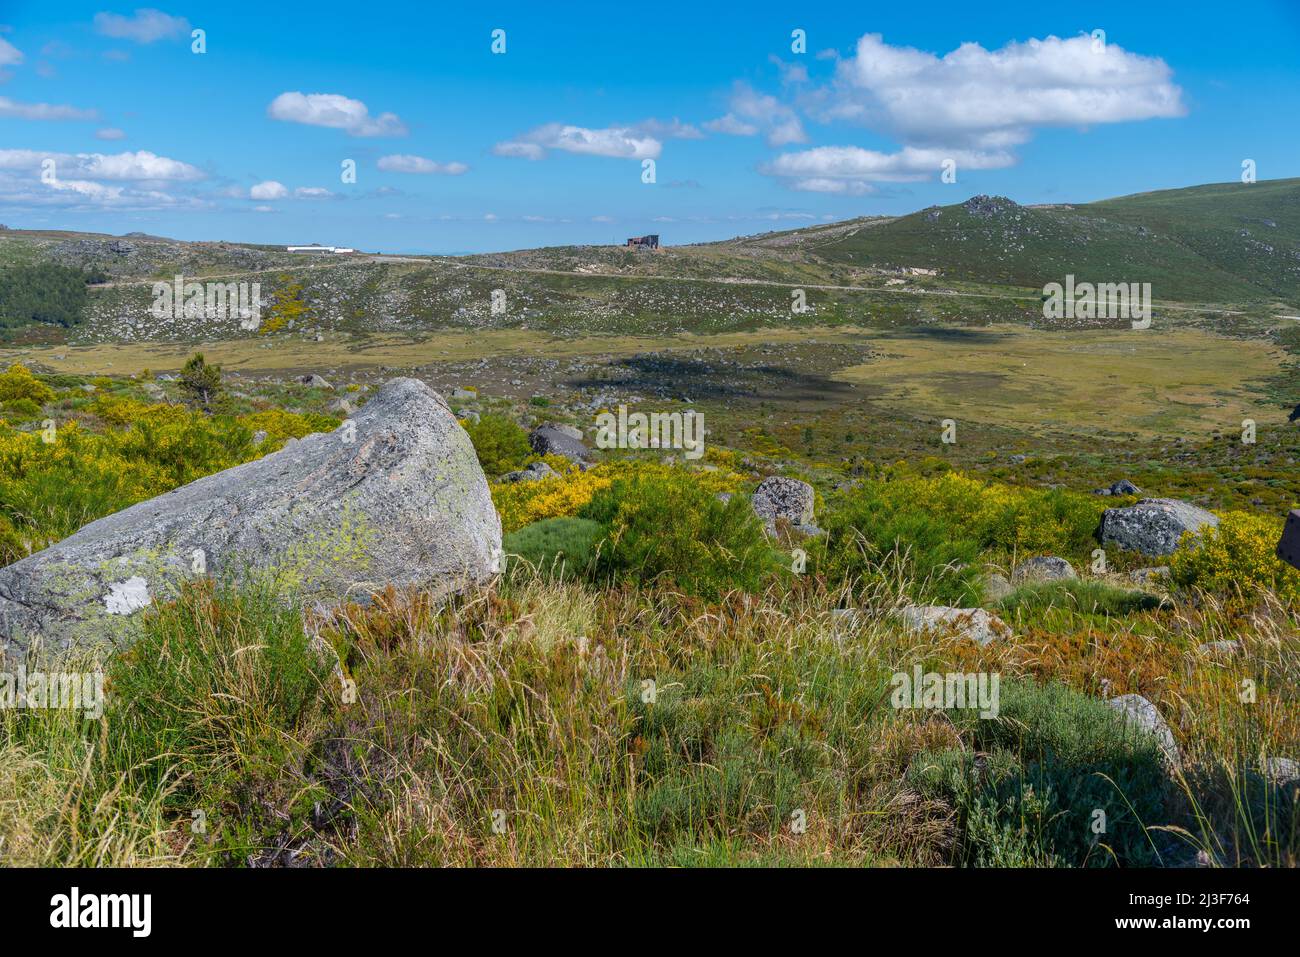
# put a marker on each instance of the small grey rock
(1140, 713)
(1046, 568)
(976, 624)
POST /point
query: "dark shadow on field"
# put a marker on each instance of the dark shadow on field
(671, 377)
(975, 337)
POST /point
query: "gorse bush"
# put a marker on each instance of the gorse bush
(936, 528)
(522, 503)
(1237, 559)
(19, 383)
(667, 529)
(49, 489)
(500, 443)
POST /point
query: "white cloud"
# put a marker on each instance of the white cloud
(849, 169)
(335, 112)
(405, 163)
(42, 111)
(994, 99)
(140, 166)
(10, 55)
(312, 192)
(529, 151)
(752, 112)
(619, 142)
(268, 190)
(109, 133)
(144, 26)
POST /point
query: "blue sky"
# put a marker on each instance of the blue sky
(458, 148)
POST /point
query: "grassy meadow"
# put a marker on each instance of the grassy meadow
(652, 680)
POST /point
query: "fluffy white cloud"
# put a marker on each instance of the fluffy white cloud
(405, 163)
(146, 25)
(42, 111)
(619, 142)
(268, 190)
(992, 99)
(10, 55)
(850, 169)
(753, 112)
(140, 166)
(335, 112)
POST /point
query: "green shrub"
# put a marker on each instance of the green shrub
(21, 410)
(1060, 603)
(1055, 758)
(556, 542)
(869, 539)
(500, 443)
(669, 529)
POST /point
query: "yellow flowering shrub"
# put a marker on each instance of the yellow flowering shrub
(1237, 559)
(19, 383)
(49, 489)
(522, 503)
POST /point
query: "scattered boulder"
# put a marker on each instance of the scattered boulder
(467, 415)
(341, 407)
(1046, 568)
(996, 587)
(572, 431)
(533, 472)
(463, 395)
(1146, 576)
(976, 624)
(1219, 648)
(786, 498)
(259, 436)
(1140, 713)
(549, 440)
(1121, 487)
(1283, 772)
(314, 381)
(395, 497)
(1153, 526)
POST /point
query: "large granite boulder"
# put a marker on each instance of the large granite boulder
(558, 440)
(1153, 526)
(393, 496)
(786, 498)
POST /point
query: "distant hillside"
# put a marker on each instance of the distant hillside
(1220, 243)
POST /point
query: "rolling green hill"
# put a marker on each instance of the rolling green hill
(1227, 242)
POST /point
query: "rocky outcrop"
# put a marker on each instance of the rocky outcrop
(1047, 568)
(785, 498)
(1153, 526)
(533, 472)
(554, 440)
(394, 496)
(976, 624)
(1121, 487)
(1139, 713)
